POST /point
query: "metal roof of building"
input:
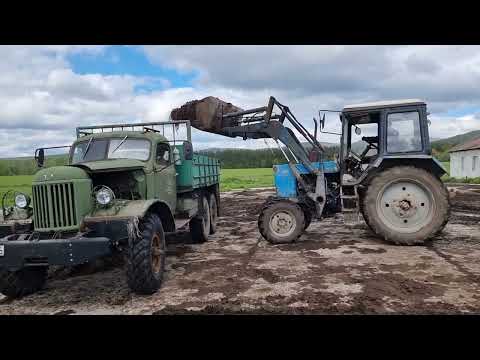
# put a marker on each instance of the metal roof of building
(383, 104)
(469, 145)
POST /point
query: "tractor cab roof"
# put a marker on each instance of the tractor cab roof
(381, 105)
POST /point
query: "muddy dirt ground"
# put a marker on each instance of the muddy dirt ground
(332, 269)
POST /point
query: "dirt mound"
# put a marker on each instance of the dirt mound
(206, 114)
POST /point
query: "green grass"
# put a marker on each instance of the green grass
(446, 165)
(230, 179)
(245, 178)
(22, 183)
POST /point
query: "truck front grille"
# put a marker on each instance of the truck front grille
(54, 206)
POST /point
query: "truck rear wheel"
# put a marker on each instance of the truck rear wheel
(26, 281)
(213, 213)
(146, 257)
(200, 224)
(281, 221)
(406, 205)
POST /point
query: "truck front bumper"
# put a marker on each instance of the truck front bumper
(17, 252)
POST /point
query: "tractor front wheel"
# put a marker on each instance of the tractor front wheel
(281, 221)
(307, 213)
(406, 205)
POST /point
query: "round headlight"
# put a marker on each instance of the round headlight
(104, 196)
(22, 201)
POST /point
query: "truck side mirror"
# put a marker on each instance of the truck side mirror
(40, 157)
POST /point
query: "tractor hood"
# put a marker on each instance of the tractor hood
(111, 165)
(60, 173)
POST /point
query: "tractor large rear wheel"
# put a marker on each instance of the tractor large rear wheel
(406, 205)
(281, 221)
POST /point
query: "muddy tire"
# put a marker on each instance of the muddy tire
(146, 255)
(308, 217)
(281, 221)
(213, 213)
(406, 205)
(26, 281)
(200, 224)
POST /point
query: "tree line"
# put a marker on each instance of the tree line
(28, 166)
(258, 158)
(229, 158)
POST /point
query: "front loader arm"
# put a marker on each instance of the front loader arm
(267, 126)
(276, 131)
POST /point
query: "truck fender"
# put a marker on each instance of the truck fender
(137, 209)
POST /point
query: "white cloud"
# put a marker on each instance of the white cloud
(42, 99)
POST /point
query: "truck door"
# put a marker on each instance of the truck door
(165, 175)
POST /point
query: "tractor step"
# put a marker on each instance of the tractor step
(350, 207)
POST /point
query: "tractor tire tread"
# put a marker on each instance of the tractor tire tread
(405, 239)
(263, 227)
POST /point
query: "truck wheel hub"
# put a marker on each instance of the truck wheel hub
(157, 253)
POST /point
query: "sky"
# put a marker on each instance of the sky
(47, 91)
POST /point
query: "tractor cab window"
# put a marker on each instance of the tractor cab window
(163, 154)
(365, 141)
(403, 132)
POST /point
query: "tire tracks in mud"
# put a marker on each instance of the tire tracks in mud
(251, 253)
(456, 264)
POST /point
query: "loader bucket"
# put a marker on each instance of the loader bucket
(206, 114)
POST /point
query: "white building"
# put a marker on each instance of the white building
(465, 159)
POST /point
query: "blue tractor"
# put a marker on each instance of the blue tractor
(389, 176)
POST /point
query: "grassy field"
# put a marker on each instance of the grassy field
(446, 165)
(18, 182)
(230, 179)
(246, 178)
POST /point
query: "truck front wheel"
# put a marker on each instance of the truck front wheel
(26, 281)
(200, 224)
(146, 257)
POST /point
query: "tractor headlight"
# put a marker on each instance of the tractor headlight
(22, 201)
(104, 196)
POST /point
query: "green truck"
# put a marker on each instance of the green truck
(125, 187)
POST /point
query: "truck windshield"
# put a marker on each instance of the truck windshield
(101, 149)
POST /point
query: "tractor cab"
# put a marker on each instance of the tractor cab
(373, 132)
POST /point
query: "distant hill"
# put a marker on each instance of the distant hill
(457, 139)
(441, 147)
